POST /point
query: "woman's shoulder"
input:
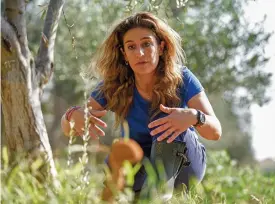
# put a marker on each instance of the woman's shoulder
(191, 84)
(187, 75)
(186, 72)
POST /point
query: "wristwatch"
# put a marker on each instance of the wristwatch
(200, 119)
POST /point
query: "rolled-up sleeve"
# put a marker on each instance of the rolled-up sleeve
(192, 85)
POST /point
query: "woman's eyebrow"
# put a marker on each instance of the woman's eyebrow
(144, 38)
(128, 41)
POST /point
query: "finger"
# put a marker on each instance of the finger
(158, 122)
(97, 121)
(173, 137)
(97, 130)
(165, 109)
(166, 134)
(161, 128)
(98, 113)
(92, 134)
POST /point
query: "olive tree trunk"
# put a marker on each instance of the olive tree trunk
(22, 79)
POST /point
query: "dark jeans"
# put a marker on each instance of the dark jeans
(178, 173)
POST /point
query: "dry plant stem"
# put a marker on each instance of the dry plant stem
(72, 132)
(69, 160)
(85, 137)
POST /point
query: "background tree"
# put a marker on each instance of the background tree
(23, 77)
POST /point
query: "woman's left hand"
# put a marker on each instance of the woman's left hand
(175, 123)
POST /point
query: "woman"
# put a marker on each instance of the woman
(145, 83)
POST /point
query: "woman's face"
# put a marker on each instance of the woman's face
(141, 50)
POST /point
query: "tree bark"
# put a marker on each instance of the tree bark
(22, 82)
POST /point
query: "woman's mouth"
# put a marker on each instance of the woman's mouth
(141, 63)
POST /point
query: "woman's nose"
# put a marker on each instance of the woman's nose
(140, 51)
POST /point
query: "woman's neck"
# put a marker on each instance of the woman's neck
(145, 82)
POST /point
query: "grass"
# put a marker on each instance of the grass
(224, 182)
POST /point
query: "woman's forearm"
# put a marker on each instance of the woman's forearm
(211, 129)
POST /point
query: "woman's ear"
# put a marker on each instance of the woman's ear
(161, 48)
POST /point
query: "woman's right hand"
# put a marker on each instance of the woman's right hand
(94, 122)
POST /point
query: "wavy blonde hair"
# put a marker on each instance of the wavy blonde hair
(118, 78)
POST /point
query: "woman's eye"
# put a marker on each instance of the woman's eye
(147, 44)
(131, 47)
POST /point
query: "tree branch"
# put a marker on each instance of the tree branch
(10, 43)
(14, 13)
(45, 55)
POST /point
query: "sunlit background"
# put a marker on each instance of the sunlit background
(263, 118)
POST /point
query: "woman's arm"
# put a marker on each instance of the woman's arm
(95, 112)
(179, 120)
(212, 129)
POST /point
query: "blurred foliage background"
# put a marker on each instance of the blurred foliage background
(224, 51)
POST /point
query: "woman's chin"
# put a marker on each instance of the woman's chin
(143, 70)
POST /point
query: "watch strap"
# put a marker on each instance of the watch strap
(200, 121)
(198, 118)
